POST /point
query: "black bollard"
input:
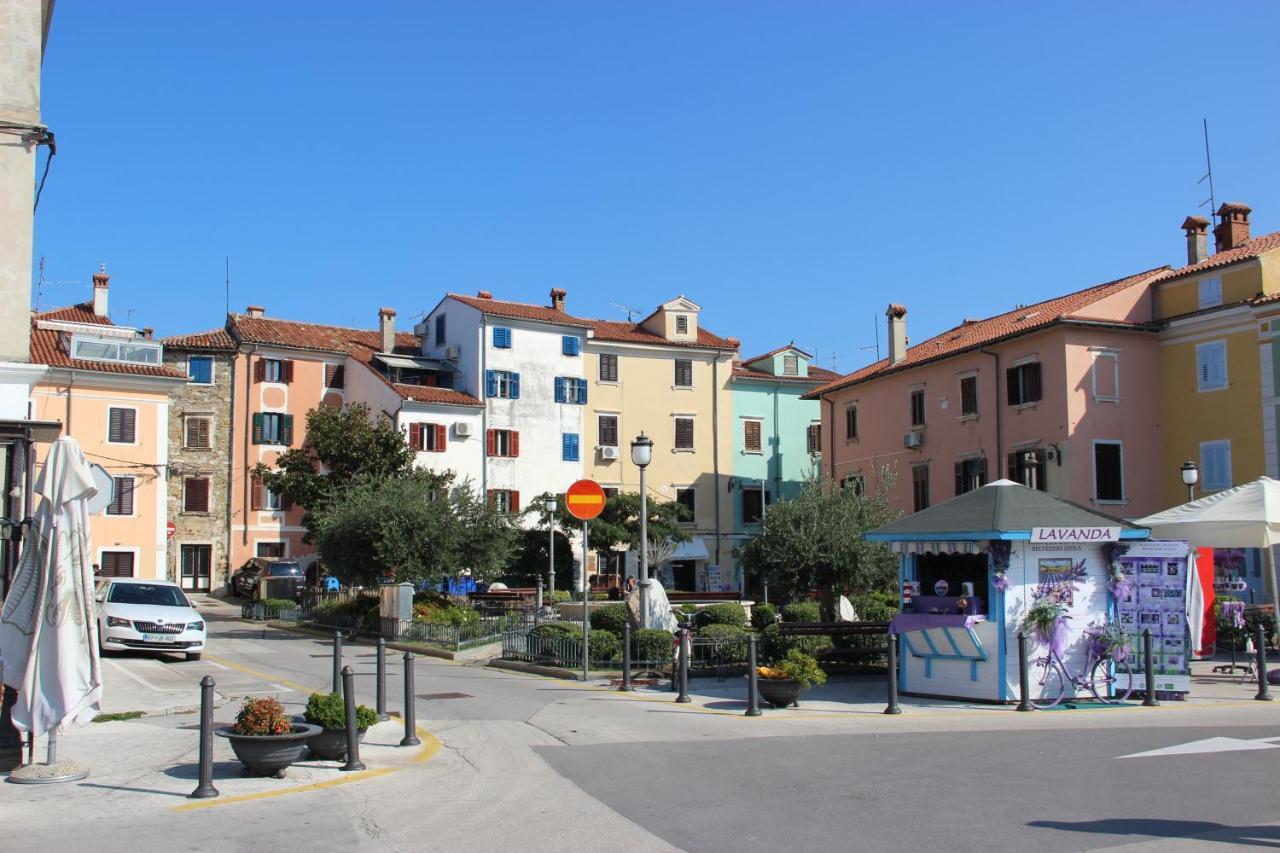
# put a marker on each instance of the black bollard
(410, 724)
(684, 667)
(337, 661)
(1024, 675)
(382, 680)
(893, 707)
(1149, 670)
(353, 734)
(626, 658)
(753, 699)
(205, 789)
(1264, 691)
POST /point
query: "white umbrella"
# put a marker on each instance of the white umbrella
(48, 629)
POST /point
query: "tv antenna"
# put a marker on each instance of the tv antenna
(1208, 175)
(631, 312)
(227, 284)
(42, 282)
(875, 325)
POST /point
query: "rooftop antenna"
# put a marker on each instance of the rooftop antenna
(631, 312)
(1208, 175)
(227, 284)
(875, 325)
(42, 282)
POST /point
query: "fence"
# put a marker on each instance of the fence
(456, 637)
(566, 652)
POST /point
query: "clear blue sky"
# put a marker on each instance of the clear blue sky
(792, 166)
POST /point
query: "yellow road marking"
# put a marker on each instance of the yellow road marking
(270, 679)
(358, 776)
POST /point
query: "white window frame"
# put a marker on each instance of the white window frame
(212, 366)
(107, 438)
(757, 420)
(1114, 356)
(1093, 464)
(617, 428)
(267, 361)
(502, 443)
(1209, 292)
(1205, 485)
(682, 320)
(977, 395)
(208, 495)
(271, 501)
(502, 384)
(1201, 384)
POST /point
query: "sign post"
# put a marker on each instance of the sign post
(585, 501)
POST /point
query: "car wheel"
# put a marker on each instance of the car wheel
(194, 656)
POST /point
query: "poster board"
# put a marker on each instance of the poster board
(1159, 575)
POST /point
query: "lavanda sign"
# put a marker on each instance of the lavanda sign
(1075, 534)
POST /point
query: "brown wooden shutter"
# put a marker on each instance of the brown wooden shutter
(125, 494)
(491, 443)
(116, 564)
(197, 495)
(515, 443)
(491, 496)
(122, 426)
(515, 501)
(752, 436)
(415, 436)
(684, 433)
(334, 376)
(286, 371)
(259, 370)
(1033, 382)
(255, 493)
(441, 438)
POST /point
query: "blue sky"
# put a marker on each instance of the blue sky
(792, 166)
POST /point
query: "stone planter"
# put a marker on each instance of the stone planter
(779, 692)
(269, 755)
(331, 744)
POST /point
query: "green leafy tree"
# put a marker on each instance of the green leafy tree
(619, 523)
(532, 558)
(816, 542)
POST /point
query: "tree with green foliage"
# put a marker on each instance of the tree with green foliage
(816, 542)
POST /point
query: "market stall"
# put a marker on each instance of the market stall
(972, 566)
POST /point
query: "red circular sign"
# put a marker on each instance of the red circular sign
(584, 500)
(170, 529)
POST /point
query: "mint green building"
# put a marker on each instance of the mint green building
(777, 438)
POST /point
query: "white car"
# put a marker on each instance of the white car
(147, 615)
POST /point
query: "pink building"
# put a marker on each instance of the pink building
(1062, 396)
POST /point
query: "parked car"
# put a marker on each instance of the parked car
(261, 577)
(147, 615)
(244, 580)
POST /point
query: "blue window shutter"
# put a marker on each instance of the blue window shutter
(575, 447)
(569, 447)
(490, 384)
(569, 345)
(514, 384)
(564, 447)
(559, 389)
(582, 390)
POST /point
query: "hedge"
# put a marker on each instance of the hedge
(722, 614)
(653, 645)
(802, 611)
(609, 617)
(731, 645)
(763, 615)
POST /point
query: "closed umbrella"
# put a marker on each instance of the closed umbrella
(48, 629)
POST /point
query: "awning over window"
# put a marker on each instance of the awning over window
(694, 549)
(950, 547)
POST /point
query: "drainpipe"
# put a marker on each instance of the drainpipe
(777, 447)
(483, 390)
(231, 466)
(831, 439)
(248, 436)
(999, 433)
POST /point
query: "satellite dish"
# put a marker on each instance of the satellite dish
(106, 485)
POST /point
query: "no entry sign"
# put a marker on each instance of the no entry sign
(584, 500)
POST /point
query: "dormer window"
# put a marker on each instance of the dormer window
(790, 365)
(682, 324)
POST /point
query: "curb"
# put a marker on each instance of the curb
(537, 669)
(425, 651)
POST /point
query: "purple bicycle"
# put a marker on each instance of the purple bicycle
(1109, 679)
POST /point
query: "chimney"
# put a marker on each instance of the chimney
(255, 311)
(1233, 225)
(148, 332)
(100, 279)
(387, 328)
(557, 299)
(484, 294)
(897, 315)
(1197, 228)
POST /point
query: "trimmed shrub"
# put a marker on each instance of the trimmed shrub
(875, 606)
(263, 716)
(556, 631)
(802, 611)
(763, 615)
(329, 711)
(605, 646)
(722, 614)
(278, 603)
(559, 596)
(609, 617)
(731, 643)
(653, 644)
(448, 614)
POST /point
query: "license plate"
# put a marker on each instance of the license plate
(159, 638)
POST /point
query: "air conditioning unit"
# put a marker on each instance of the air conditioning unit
(913, 439)
(462, 429)
(422, 328)
(608, 453)
(451, 353)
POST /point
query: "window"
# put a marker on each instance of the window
(1215, 465)
(752, 504)
(851, 423)
(970, 474)
(273, 370)
(790, 365)
(195, 494)
(501, 337)
(272, 501)
(608, 367)
(569, 345)
(1027, 467)
(270, 550)
(502, 442)
(608, 430)
(440, 339)
(431, 438)
(570, 389)
(684, 373)
(569, 447)
(751, 442)
(917, 407)
(1106, 375)
(1211, 366)
(116, 564)
(1108, 471)
(502, 383)
(682, 324)
(505, 500)
(121, 496)
(1210, 292)
(273, 428)
(609, 491)
(684, 433)
(122, 426)
(919, 487)
(136, 351)
(855, 483)
(200, 369)
(687, 498)
(968, 396)
(813, 439)
(1024, 383)
(196, 433)
(335, 376)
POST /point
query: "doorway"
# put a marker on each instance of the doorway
(684, 575)
(197, 567)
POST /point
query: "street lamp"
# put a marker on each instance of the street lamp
(1190, 476)
(642, 455)
(550, 506)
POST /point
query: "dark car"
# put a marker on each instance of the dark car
(260, 577)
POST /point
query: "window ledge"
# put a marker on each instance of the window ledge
(615, 383)
(197, 449)
(1121, 502)
(1020, 406)
(683, 450)
(752, 452)
(681, 387)
(1106, 399)
(964, 418)
(1209, 390)
(192, 512)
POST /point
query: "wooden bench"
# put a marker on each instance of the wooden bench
(841, 629)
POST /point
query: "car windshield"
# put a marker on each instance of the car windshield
(145, 593)
(284, 570)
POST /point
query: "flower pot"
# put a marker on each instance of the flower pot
(779, 692)
(269, 755)
(331, 744)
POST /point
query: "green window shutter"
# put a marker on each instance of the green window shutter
(257, 428)
(286, 431)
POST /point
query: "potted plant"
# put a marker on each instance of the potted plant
(264, 738)
(781, 685)
(1107, 640)
(329, 712)
(1047, 620)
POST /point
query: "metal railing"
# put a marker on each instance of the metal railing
(566, 652)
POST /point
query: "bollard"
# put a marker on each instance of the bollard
(1149, 670)
(753, 699)
(537, 604)
(205, 789)
(337, 661)
(410, 724)
(684, 667)
(381, 693)
(1264, 692)
(1024, 675)
(626, 657)
(353, 734)
(893, 707)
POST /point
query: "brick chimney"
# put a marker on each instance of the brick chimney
(484, 294)
(100, 281)
(897, 315)
(1197, 228)
(255, 311)
(557, 299)
(1233, 226)
(148, 332)
(387, 328)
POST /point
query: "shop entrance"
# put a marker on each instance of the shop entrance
(197, 567)
(684, 575)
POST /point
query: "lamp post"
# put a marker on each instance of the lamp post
(641, 456)
(550, 506)
(1190, 476)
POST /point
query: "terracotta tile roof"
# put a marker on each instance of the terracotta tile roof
(1265, 300)
(213, 340)
(427, 394)
(312, 336)
(816, 374)
(972, 334)
(609, 330)
(1243, 252)
(81, 312)
(771, 353)
(49, 346)
(519, 310)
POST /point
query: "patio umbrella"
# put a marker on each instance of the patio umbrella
(48, 629)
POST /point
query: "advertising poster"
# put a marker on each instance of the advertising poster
(1157, 601)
